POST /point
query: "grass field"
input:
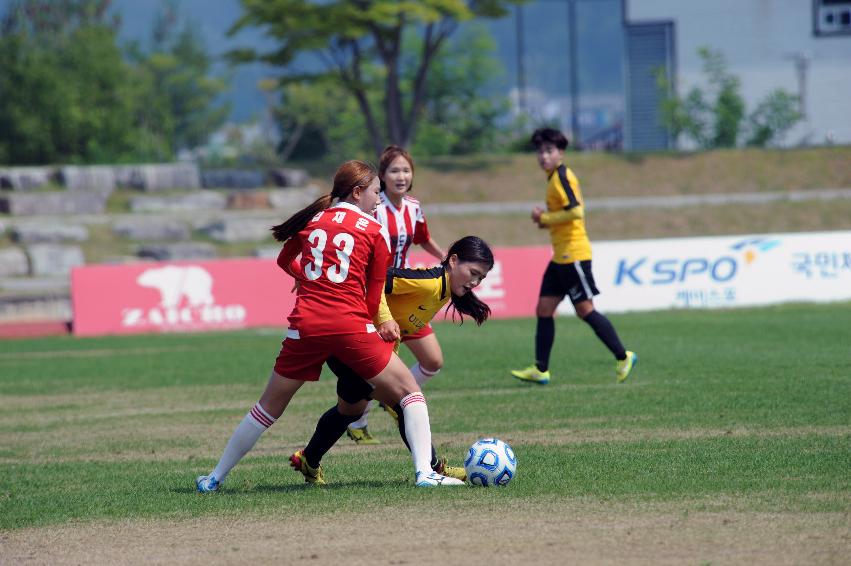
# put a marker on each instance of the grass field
(731, 444)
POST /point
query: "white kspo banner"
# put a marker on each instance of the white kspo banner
(721, 272)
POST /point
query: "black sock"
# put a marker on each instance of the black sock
(398, 410)
(544, 337)
(606, 333)
(331, 426)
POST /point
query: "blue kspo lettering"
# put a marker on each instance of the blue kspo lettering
(675, 270)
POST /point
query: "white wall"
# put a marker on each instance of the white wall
(757, 38)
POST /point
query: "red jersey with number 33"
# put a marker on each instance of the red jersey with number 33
(344, 259)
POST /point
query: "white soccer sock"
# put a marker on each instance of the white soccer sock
(243, 439)
(422, 375)
(362, 421)
(417, 430)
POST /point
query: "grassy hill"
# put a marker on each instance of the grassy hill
(516, 177)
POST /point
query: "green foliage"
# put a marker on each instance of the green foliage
(67, 91)
(178, 73)
(772, 118)
(319, 123)
(349, 37)
(713, 117)
(457, 117)
(70, 95)
(724, 88)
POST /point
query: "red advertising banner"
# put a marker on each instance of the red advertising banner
(179, 296)
(240, 293)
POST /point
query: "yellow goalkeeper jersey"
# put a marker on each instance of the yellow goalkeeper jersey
(412, 297)
(569, 238)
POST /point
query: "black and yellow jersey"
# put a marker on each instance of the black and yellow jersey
(412, 297)
(565, 217)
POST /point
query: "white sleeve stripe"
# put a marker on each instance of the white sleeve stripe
(386, 235)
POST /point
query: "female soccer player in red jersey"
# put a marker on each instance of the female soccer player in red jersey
(344, 256)
(413, 297)
(403, 217)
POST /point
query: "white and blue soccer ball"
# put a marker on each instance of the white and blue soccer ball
(490, 462)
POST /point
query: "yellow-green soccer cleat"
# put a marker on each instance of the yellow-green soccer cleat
(361, 436)
(311, 475)
(389, 410)
(532, 375)
(456, 472)
(624, 367)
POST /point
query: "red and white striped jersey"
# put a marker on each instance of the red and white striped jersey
(344, 259)
(406, 225)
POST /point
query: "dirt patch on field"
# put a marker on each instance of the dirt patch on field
(530, 533)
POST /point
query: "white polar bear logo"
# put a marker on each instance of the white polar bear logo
(175, 283)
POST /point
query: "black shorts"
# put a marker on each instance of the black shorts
(351, 387)
(572, 279)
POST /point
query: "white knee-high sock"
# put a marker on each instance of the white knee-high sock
(422, 375)
(417, 430)
(243, 439)
(362, 421)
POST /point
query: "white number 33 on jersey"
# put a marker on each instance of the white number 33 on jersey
(343, 245)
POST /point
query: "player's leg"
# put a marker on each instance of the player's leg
(551, 294)
(582, 291)
(279, 391)
(368, 355)
(427, 351)
(353, 393)
(396, 386)
(545, 332)
(329, 429)
(438, 464)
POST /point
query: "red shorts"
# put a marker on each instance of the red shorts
(302, 358)
(421, 333)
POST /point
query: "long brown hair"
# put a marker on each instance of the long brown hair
(390, 153)
(349, 175)
(470, 249)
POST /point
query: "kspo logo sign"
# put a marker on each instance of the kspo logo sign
(675, 270)
(686, 270)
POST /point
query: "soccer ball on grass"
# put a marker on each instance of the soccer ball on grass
(490, 462)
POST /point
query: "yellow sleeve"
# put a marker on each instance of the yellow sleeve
(383, 314)
(562, 216)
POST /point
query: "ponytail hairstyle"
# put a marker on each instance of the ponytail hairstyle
(351, 174)
(388, 156)
(470, 249)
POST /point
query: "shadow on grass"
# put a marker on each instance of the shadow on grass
(289, 488)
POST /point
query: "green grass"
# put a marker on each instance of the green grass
(745, 409)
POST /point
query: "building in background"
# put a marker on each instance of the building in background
(801, 46)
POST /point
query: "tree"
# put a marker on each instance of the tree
(772, 118)
(72, 94)
(349, 35)
(458, 118)
(66, 88)
(317, 122)
(712, 117)
(178, 86)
